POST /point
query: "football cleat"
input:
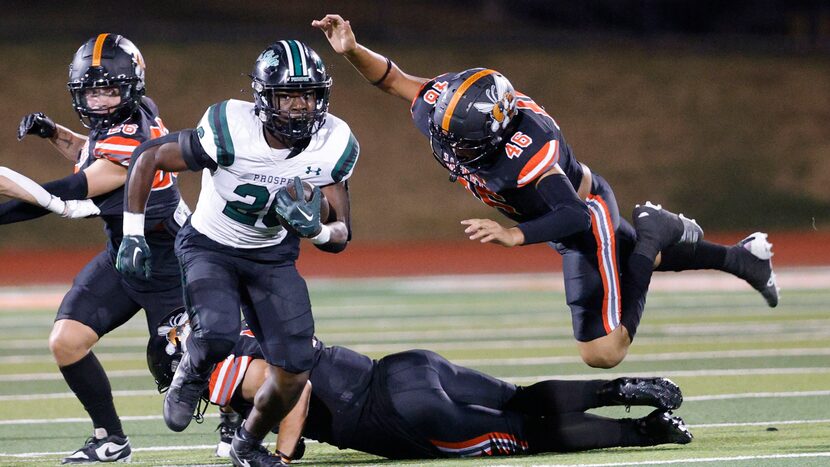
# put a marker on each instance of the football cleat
(228, 423)
(661, 393)
(662, 228)
(184, 394)
(107, 449)
(251, 453)
(751, 260)
(662, 427)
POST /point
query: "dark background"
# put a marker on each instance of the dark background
(720, 110)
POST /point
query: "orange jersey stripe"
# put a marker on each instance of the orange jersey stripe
(445, 123)
(99, 46)
(540, 163)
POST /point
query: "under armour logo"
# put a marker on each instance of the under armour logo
(316, 171)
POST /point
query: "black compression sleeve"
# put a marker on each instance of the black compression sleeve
(193, 152)
(568, 214)
(71, 187)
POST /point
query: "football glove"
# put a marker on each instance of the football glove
(298, 215)
(36, 124)
(78, 208)
(133, 258)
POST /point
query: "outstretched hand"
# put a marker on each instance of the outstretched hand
(490, 231)
(338, 31)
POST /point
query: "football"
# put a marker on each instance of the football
(308, 189)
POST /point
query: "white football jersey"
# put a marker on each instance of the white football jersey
(235, 206)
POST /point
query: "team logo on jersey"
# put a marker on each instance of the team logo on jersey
(501, 105)
(200, 132)
(316, 171)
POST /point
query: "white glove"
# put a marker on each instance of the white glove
(76, 208)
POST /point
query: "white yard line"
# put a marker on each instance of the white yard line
(676, 374)
(69, 395)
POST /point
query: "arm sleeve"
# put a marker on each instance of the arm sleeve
(71, 187)
(193, 153)
(568, 214)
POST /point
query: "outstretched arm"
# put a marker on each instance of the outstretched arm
(291, 427)
(66, 141)
(377, 69)
(18, 186)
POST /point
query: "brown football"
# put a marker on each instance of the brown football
(308, 189)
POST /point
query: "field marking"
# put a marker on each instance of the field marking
(754, 395)
(675, 374)
(654, 357)
(777, 422)
(71, 395)
(690, 460)
(526, 361)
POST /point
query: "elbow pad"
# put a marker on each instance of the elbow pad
(568, 215)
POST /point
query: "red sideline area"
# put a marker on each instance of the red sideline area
(360, 259)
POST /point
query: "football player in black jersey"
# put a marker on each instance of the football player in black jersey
(106, 81)
(510, 154)
(417, 405)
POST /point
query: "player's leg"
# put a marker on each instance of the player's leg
(96, 304)
(553, 397)
(465, 385)
(415, 386)
(278, 311)
(750, 259)
(591, 270)
(211, 294)
(577, 431)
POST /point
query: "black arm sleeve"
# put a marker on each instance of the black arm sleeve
(71, 187)
(193, 152)
(568, 215)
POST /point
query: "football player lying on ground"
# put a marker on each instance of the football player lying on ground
(510, 154)
(418, 405)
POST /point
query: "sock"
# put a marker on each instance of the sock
(89, 382)
(577, 431)
(247, 436)
(702, 255)
(554, 397)
(634, 283)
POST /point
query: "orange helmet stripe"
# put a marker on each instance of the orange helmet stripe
(99, 45)
(445, 123)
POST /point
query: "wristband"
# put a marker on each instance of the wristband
(388, 69)
(133, 224)
(323, 237)
(56, 205)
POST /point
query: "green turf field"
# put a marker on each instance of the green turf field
(756, 380)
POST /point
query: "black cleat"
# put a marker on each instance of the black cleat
(184, 394)
(251, 453)
(751, 260)
(661, 393)
(110, 449)
(662, 228)
(228, 423)
(662, 427)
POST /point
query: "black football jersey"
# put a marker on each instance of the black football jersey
(116, 145)
(533, 144)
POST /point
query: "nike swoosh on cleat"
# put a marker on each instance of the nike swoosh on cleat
(643, 214)
(107, 454)
(135, 255)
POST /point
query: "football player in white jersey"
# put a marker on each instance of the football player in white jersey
(234, 252)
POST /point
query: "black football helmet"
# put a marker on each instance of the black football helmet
(165, 349)
(290, 66)
(108, 60)
(470, 118)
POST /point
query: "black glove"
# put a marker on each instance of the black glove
(133, 258)
(298, 215)
(36, 124)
